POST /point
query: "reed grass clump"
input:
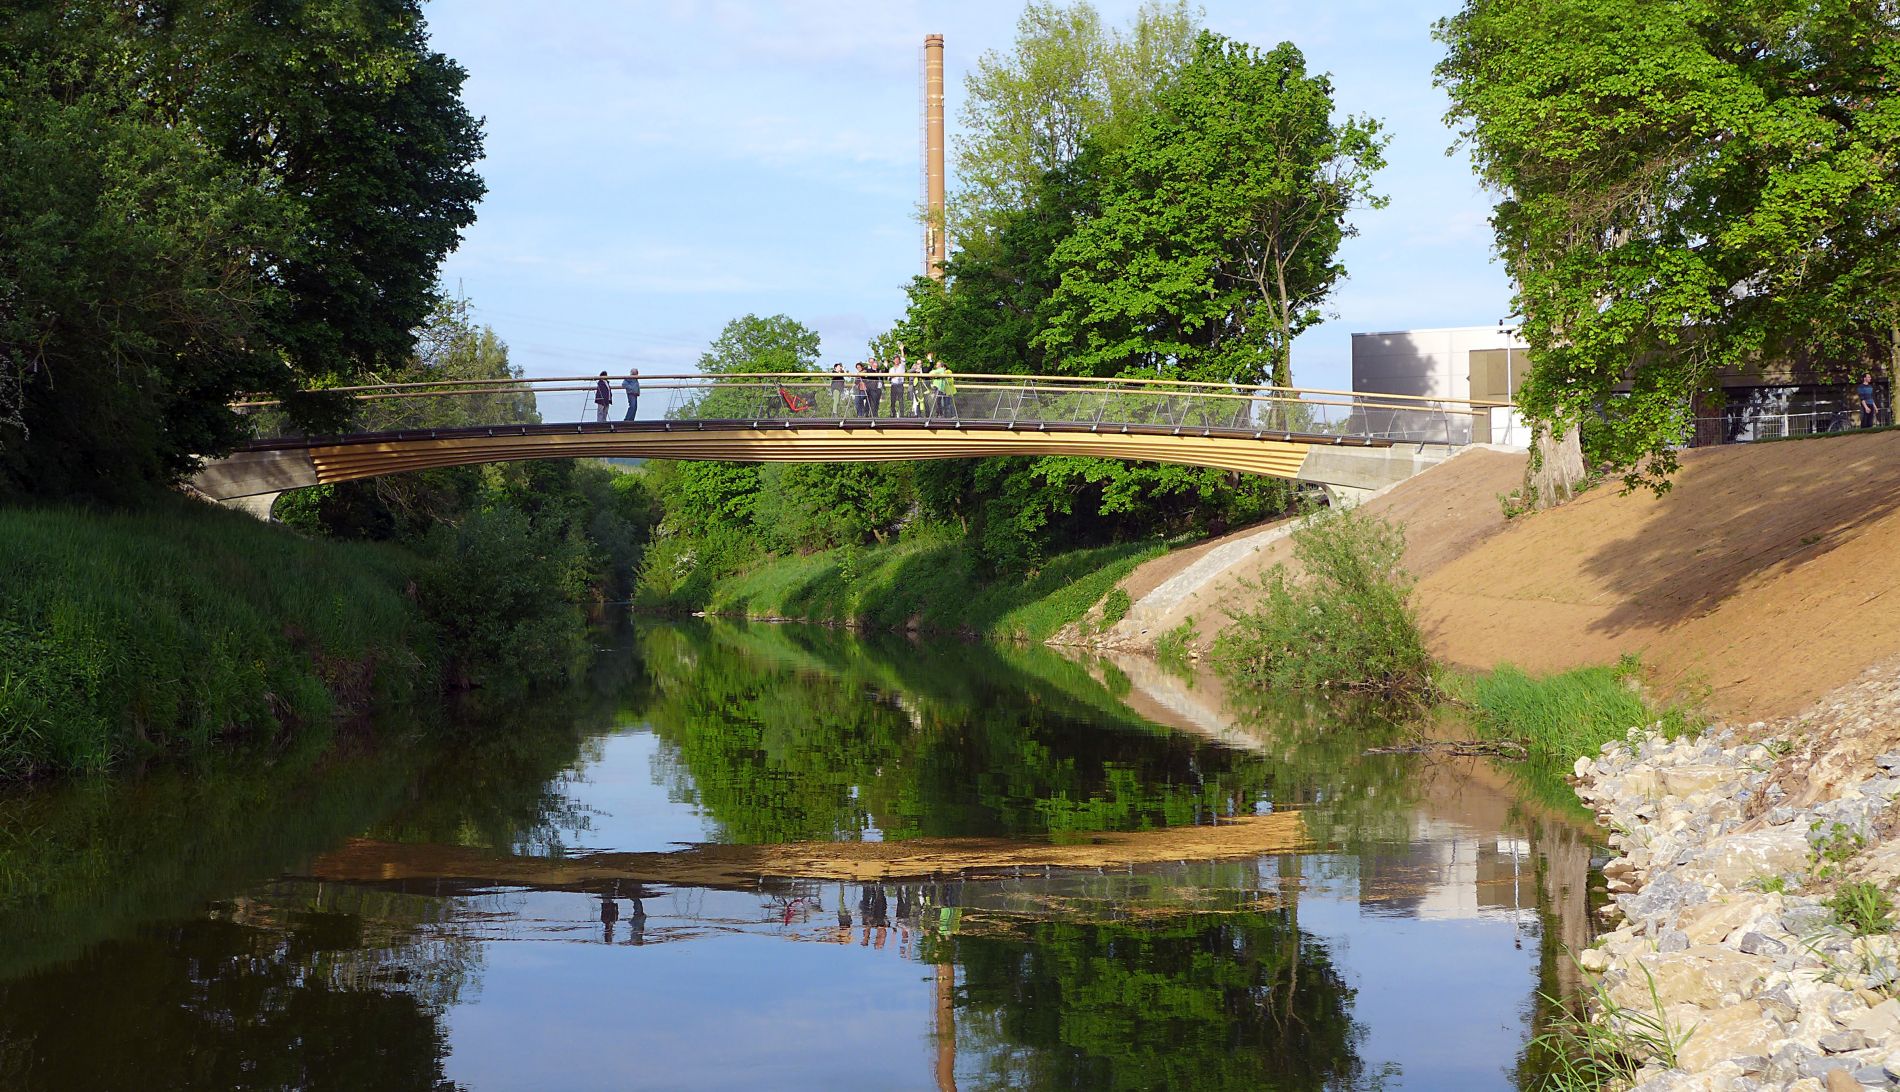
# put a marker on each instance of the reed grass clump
(1601, 1044)
(1569, 714)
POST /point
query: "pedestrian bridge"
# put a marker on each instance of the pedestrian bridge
(1352, 443)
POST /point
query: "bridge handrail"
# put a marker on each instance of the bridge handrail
(965, 380)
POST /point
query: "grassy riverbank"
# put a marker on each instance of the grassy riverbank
(931, 584)
(1565, 715)
(167, 629)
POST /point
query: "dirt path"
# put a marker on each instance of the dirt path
(1761, 581)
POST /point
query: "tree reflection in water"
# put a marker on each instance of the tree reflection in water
(781, 733)
(335, 994)
(1239, 1000)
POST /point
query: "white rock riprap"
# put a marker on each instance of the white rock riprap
(1732, 846)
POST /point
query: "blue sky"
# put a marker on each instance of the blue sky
(658, 167)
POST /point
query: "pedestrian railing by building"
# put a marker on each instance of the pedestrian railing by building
(1750, 426)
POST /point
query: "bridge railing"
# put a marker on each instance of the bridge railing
(874, 400)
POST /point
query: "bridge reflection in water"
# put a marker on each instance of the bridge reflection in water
(1351, 443)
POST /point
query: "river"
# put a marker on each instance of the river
(698, 866)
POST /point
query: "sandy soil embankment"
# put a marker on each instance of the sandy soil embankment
(1758, 583)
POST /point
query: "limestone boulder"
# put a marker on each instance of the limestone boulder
(1684, 781)
(1734, 1031)
(1704, 975)
(1881, 1023)
(1735, 859)
(1723, 917)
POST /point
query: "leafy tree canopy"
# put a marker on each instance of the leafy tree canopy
(1218, 230)
(1685, 188)
(202, 200)
(753, 344)
(1068, 79)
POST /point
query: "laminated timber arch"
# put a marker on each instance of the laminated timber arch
(273, 467)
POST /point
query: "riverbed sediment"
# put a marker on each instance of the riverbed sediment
(1753, 942)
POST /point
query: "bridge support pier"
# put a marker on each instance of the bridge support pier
(257, 504)
(1346, 496)
(1351, 475)
(251, 481)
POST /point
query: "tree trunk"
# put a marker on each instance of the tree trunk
(1556, 469)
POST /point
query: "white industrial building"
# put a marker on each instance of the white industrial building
(1458, 364)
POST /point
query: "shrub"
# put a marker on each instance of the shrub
(503, 594)
(1344, 623)
(1174, 650)
(1115, 606)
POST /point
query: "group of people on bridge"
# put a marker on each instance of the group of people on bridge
(927, 389)
(604, 396)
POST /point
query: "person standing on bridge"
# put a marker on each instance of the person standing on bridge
(946, 385)
(631, 385)
(899, 406)
(860, 390)
(837, 390)
(603, 399)
(875, 385)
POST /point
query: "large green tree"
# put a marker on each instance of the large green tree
(1067, 79)
(1038, 294)
(198, 200)
(1217, 238)
(710, 504)
(128, 308)
(1684, 188)
(998, 296)
(749, 343)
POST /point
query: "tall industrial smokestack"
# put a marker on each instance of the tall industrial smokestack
(936, 242)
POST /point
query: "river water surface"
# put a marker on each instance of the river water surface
(670, 876)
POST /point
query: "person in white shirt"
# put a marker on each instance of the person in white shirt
(900, 406)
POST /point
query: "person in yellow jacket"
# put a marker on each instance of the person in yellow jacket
(945, 384)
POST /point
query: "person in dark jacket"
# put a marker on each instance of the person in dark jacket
(603, 399)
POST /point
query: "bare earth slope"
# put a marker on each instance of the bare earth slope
(1762, 577)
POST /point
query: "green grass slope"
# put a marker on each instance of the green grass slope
(164, 630)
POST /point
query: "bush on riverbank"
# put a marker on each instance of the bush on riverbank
(1566, 715)
(167, 629)
(503, 595)
(1343, 623)
(934, 582)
